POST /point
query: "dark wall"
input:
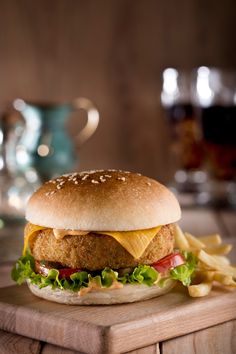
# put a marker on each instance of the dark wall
(112, 52)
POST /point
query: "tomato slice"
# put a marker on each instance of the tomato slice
(43, 269)
(66, 272)
(171, 261)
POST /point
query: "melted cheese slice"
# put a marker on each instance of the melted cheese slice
(29, 232)
(135, 242)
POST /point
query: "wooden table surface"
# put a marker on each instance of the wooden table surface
(218, 339)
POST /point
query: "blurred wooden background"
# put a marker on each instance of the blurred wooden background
(112, 51)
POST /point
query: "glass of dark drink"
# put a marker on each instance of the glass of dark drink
(185, 145)
(214, 92)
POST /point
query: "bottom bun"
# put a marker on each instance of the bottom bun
(129, 293)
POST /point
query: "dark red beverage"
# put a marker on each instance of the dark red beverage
(219, 137)
(185, 136)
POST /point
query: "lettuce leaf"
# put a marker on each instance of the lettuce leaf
(79, 280)
(185, 272)
(24, 269)
(142, 274)
(108, 276)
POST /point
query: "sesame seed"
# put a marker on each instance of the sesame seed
(148, 183)
(121, 178)
(76, 182)
(71, 176)
(85, 177)
(52, 181)
(94, 181)
(59, 187)
(50, 193)
(108, 176)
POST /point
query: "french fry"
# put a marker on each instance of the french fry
(202, 267)
(211, 240)
(224, 279)
(219, 250)
(194, 242)
(212, 263)
(200, 290)
(222, 260)
(180, 239)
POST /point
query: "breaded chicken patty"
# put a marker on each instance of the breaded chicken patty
(96, 251)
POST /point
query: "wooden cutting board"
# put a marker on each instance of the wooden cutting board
(116, 328)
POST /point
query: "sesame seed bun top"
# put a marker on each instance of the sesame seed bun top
(104, 200)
